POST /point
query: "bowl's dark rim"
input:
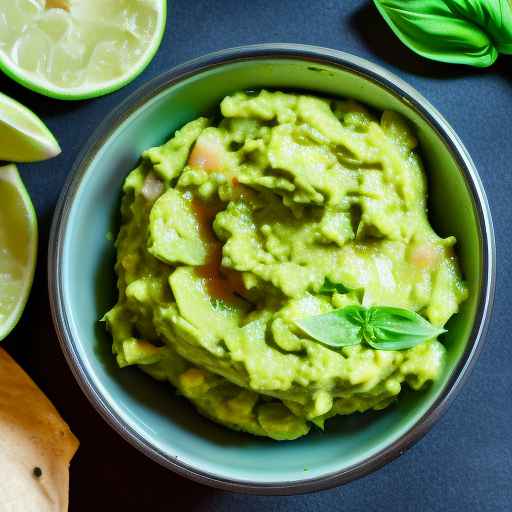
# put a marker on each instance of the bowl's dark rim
(404, 93)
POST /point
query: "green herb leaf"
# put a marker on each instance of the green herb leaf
(338, 328)
(397, 328)
(457, 31)
(330, 287)
(381, 327)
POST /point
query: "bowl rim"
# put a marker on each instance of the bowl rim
(323, 56)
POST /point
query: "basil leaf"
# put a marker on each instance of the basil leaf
(338, 328)
(398, 328)
(330, 287)
(457, 31)
(381, 327)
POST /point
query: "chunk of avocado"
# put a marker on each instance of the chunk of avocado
(168, 160)
(174, 231)
(279, 423)
(140, 352)
(198, 307)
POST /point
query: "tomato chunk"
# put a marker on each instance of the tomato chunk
(425, 256)
(207, 154)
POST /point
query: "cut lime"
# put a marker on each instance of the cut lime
(23, 136)
(18, 247)
(76, 49)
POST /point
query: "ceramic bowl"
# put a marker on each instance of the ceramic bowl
(82, 284)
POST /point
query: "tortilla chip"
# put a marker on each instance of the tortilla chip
(36, 445)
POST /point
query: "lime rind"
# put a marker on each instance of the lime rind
(50, 90)
(10, 174)
(25, 137)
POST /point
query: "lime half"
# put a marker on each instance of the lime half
(18, 247)
(23, 136)
(77, 49)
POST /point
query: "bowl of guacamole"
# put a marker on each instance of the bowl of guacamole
(273, 253)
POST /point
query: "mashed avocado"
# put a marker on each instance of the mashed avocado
(230, 230)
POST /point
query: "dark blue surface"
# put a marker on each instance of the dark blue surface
(465, 462)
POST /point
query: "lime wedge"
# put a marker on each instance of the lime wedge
(24, 136)
(18, 247)
(76, 49)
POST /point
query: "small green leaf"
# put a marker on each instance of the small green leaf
(457, 31)
(330, 287)
(381, 327)
(398, 328)
(338, 328)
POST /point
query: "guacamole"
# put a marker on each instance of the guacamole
(229, 232)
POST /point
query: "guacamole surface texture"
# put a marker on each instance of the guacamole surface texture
(229, 231)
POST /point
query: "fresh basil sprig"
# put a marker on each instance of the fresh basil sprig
(458, 31)
(381, 327)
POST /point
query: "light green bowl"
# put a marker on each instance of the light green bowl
(82, 283)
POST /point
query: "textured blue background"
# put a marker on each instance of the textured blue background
(465, 462)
